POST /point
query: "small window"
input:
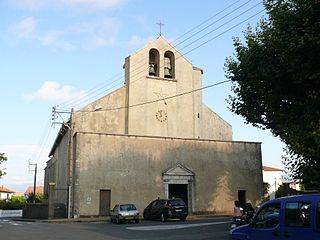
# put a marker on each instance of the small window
(268, 216)
(318, 216)
(297, 214)
(154, 62)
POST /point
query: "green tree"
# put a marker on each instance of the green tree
(2, 159)
(275, 78)
(39, 198)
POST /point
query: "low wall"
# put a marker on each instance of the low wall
(38, 211)
(41, 211)
(10, 213)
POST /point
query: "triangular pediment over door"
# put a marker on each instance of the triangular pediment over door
(178, 170)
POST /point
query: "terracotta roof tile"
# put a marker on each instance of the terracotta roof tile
(266, 168)
(30, 190)
(6, 190)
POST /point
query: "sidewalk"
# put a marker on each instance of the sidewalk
(103, 219)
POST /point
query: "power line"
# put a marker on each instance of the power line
(42, 142)
(223, 32)
(216, 36)
(222, 25)
(208, 19)
(159, 100)
(211, 24)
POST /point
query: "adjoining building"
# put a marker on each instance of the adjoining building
(153, 137)
(29, 191)
(274, 178)
(5, 193)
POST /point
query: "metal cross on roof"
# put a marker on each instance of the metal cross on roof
(160, 25)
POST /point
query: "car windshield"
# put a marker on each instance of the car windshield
(177, 202)
(127, 207)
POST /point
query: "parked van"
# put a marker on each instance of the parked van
(290, 218)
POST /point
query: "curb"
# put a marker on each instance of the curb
(103, 219)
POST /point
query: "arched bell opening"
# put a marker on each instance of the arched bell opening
(154, 62)
(169, 65)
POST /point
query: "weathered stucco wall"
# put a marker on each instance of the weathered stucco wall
(132, 166)
(213, 126)
(107, 114)
(56, 171)
(163, 118)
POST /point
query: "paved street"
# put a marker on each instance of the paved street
(213, 228)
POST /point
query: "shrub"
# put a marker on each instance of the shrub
(9, 205)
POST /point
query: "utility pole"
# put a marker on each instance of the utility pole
(34, 181)
(71, 168)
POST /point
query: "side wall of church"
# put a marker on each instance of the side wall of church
(56, 172)
(132, 168)
(106, 114)
(214, 127)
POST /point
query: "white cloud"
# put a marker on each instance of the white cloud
(26, 28)
(53, 91)
(137, 41)
(55, 39)
(96, 5)
(91, 34)
(98, 33)
(50, 38)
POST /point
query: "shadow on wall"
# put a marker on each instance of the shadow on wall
(222, 198)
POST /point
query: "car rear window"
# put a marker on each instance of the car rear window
(176, 202)
(298, 214)
(127, 207)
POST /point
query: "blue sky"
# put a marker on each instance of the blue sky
(66, 53)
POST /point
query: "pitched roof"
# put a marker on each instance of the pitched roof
(30, 190)
(6, 190)
(266, 168)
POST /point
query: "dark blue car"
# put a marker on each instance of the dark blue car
(289, 218)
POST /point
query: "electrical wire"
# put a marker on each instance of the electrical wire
(159, 100)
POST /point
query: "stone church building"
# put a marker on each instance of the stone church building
(153, 137)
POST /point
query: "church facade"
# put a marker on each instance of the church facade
(153, 137)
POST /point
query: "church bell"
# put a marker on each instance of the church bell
(167, 68)
(152, 69)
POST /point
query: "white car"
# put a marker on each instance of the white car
(124, 213)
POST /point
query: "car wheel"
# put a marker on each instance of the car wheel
(162, 218)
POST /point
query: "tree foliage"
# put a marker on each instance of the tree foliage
(2, 159)
(275, 78)
(38, 199)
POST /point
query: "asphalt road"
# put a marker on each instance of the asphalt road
(213, 228)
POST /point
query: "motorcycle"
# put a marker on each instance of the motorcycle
(244, 219)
